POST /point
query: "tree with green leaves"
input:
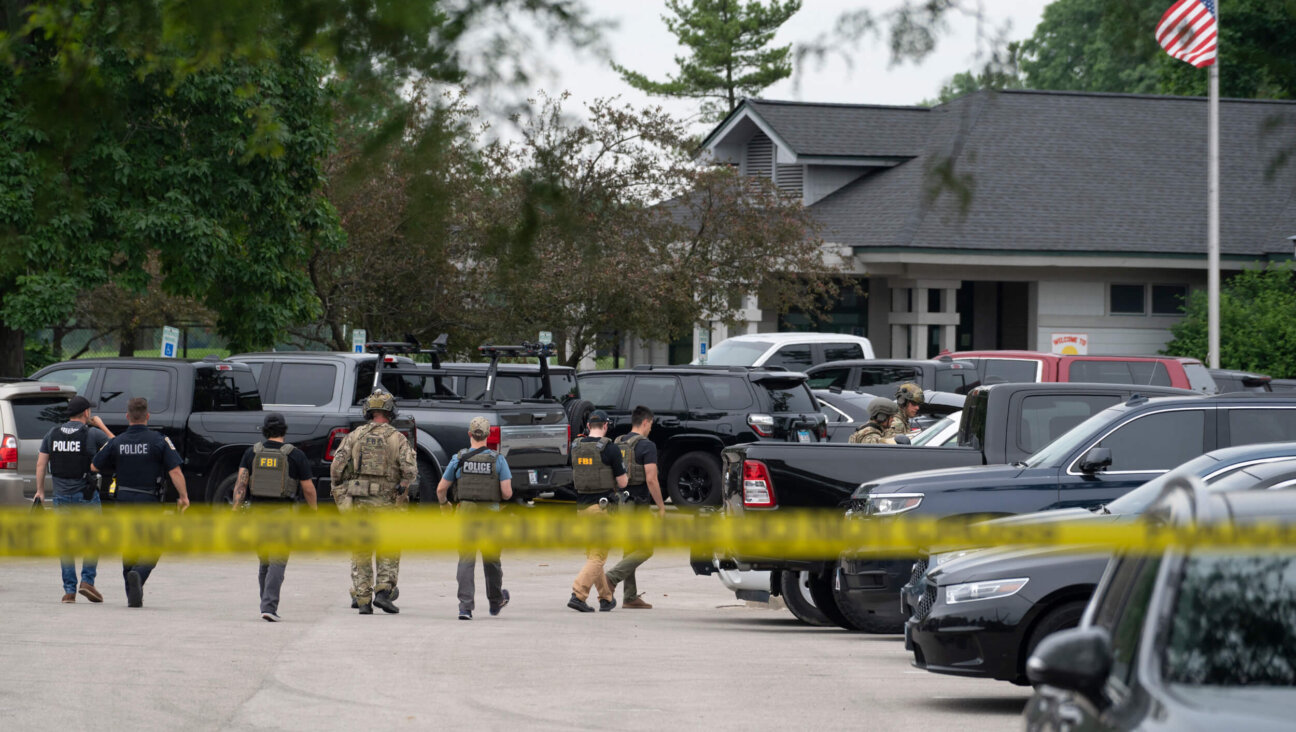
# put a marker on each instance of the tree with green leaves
(193, 135)
(1257, 323)
(1094, 45)
(627, 231)
(729, 57)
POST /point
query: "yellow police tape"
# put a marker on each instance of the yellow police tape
(780, 534)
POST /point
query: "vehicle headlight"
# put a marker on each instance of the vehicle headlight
(890, 504)
(937, 560)
(985, 590)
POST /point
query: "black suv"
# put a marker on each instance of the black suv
(699, 411)
(882, 377)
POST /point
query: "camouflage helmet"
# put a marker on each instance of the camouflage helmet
(881, 408)
(909, 392)
(380, 400)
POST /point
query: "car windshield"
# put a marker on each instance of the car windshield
(932, 432)
(736, 353)
(1256, 647)
(1057, 450)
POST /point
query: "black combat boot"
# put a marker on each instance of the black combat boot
(383, 599)
(366, 609)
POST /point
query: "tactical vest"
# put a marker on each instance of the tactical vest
(478, 480)
(374, 459)
(270, 477)
(68, 455)
(634, 469)
(589, 473)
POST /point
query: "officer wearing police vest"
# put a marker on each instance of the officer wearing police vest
(909, 398)
(874, 432)
(372, 471)
(273, 474)
(482, 479)
(640, 457)
(598, 473)
(140, 457)
(66, 452)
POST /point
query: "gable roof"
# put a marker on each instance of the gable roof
(1081, 172)
(845, 130)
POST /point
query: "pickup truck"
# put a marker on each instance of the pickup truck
(1002, 423)
(1109, 454)
(211, 410)
(1007, 366)
(532, 433)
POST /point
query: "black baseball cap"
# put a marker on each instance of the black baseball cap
(77, 405)
(598, 416)
(274, 421)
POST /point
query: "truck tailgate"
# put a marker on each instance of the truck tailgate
(823, 475)
(534, 437)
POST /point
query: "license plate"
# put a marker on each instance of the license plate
(803, 435)
(531, 477)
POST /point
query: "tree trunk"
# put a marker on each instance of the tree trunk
(126, 348)
(11, 352)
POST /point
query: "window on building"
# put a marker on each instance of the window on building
(1128, 300)
(1169, 299)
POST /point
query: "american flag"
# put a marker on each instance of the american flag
(1188, 32)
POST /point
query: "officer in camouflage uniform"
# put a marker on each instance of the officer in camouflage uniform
(372, 470)
(909, 397)
(882, 412)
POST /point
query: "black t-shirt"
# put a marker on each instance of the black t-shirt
(298, 468)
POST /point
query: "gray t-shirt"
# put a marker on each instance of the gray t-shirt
(95, 439)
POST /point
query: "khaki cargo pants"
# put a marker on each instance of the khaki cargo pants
(591, 575)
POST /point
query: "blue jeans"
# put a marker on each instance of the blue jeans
(90, 564)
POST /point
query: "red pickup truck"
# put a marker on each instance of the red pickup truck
(1019, 366)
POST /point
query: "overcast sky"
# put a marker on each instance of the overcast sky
(641, 41)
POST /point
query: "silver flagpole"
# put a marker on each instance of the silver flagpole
(1213, 212)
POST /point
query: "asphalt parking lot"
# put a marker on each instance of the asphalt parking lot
(197, 656)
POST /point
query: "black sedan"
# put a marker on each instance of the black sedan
(1174, 641)
(982, 613)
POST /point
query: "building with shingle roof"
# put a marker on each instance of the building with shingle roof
(1001, 219)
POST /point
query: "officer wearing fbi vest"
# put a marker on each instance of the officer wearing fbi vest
(372, 471)
(66, 451)
(482, 479)
(273, 474)
(140, 458)
(598, 473)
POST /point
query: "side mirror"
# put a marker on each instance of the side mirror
(902, 440)
(1078, 660)
(1098, 458)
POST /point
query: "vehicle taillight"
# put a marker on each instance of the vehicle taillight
(761, 424)
(823, 430)
(9, 453)
(493, 439)
(758, 489)
(334, 440)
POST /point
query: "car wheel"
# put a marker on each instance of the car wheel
(822, 593)
(1061, 617)
(224, 493)
(796, 595)
(578, 411)
(694, 480)
(863, 619)
(428, 478)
